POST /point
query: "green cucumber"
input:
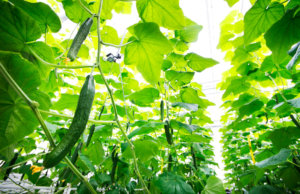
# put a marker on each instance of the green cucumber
(81, 35)
(161, 110)
(167, 132)
(92, 129)
(78, 124)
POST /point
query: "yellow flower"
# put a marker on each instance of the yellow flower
(36, 169)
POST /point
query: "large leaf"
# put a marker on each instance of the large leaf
(251, 107)
(16, 28)
(198, 63)
(165, 13)
(188, 106)
(17, 119)
(263, 189)
(179, 126)
(179, 77)
(41, 13)
(190, 95)
(260, 18)
(147, 50)
(283, 34)
(283, 137)
(190, 32)
(213, 185)
(74, 11)
(95, 152)
(170, 183)
(279, 158)
(144, 97)
(144, 150)
(66, 101)
(146, 129)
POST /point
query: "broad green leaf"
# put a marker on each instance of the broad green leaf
(16, 28)
(179, 77)
(95, 152)
(106, 8)
(260, 18)
(276, 159)
(177, 60)
(179, 45)
(213, 185)
(190, 95)
(250, 108)
(43, 54)
(232, 2)
(190, 32)
(290, 176)
(41, 13)
(263, 189)
(103, 131)
(283, 34)
(169, 183)
(188, 106)
(243, 99)
(236, 86)
(179, 126)
(66, 101)
(198, 63)
(144, 150)
(74, 11)
(283, 137)
(84, 161)
(17, 119)
(243, 53)
(165, 13)
(194, 138)
(147, 50)
(144, 97)
(146, 129)
(110, 35)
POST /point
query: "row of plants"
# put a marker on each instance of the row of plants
(261, 98)
(75, 115)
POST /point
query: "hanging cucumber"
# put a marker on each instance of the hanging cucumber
(168, 133)
(92, 129)
(78, 124)
(162, 110)
(74, 157)
(81, 35)
(12, 162)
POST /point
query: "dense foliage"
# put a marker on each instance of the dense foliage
(145, 133)
(261, 132)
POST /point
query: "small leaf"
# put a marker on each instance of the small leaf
(144, 97)
(231, 2)
(188, 106)
(179, 77)
(144, 150)
(66, 101)
(190, 32)
(198, 63)
(165, 13)
(179, 126)
(190, 95)
(146, 129)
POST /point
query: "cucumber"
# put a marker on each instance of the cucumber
(81, 35)
(92, 129)
(167, 132)
(12, 162)
(78, 124)
(161, 110)
(74, 157)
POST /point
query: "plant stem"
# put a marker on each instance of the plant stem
(113, 102)
(114, 45)
(20, 185)
(71, 117)
(34, 106)
(85, 8)
(18, 164)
